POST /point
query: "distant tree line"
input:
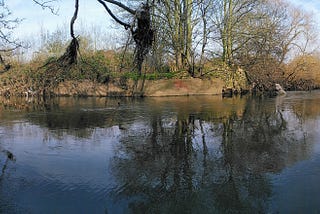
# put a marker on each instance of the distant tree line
(259, 36)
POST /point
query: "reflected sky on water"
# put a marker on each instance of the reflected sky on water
(161, 155)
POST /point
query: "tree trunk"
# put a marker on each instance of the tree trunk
(188, 36)
(204, 40)
(229, 33)
(178, 42)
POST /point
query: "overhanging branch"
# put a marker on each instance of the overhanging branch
(74, 17)
(119, 4)
(126, 25)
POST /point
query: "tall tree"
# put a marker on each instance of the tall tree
(227, 18)
(188, 28)
(177, 30)
(204, 6)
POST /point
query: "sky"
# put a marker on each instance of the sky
(91, 17)
(309, 5)
(35, 17)
(90, 12)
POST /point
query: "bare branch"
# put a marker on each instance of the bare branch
(119, 4)
(47, 5)
(113, 16)
(7, 25)
(74, 17)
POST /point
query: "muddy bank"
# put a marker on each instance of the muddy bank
(171, 87)
(156, 88)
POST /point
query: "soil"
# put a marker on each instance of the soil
(149, 88)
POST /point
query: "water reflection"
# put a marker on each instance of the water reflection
(204, 162)
(168, 155)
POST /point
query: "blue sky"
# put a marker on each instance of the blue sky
(91, 15)
(90, 12)
(309, 5)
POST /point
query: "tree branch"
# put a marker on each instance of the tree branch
(119, 4)
(126, 25)
(7, 25)
(74, 17)
(46, 5)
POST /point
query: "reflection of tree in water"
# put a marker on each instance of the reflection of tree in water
(77, 117)
(264, 132)
(206, 165)
(306, 108)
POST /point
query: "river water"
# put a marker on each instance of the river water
(200, 154)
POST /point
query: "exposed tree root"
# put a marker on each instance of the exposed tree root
(71, 54)
(54, 69)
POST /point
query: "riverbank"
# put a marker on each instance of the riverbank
(118, 88)
(78, 80)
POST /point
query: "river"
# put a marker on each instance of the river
(202, 154)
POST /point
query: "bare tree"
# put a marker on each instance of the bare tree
(228, 17)
(7, 41)
(177, 30)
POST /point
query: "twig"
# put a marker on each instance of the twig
(45, 5)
